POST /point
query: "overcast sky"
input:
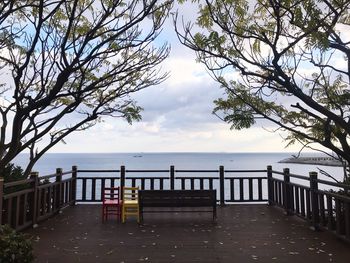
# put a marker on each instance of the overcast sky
(177, 117)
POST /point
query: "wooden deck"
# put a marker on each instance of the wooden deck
(243, 233)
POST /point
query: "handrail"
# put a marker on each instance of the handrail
(98, 171)
(245, 171)
(15, 183)
(147, 171)
(196, 171)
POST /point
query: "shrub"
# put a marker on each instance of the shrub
(13, 173)
(14, 247)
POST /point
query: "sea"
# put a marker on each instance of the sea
(182, 161)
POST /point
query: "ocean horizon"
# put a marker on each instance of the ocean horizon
(181, 160)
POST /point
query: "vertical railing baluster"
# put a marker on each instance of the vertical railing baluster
(211, 184)
(152, 184)
(83, 194)
(302, 202)
(143, 184)
(241, 189)
(330, 219)
(297, 200)
(260, 198)
(161, 184)
(122, 179)
(232, 189)
(192, 183)
(18, 199)
(286, 191)
(250, 187)
(222, 185)
(314, 200)
(35, 203)
(1, 197)
(9, 211)
(338, 217)
(172, 177)
(103, 185)
(183, 185)
(59, 191)
(93, 189)
(74, 183)
(347, 219)
(270, 189)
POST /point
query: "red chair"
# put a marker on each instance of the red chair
(111, 202)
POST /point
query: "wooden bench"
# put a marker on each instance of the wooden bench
(177, 198)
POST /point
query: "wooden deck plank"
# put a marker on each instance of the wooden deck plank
(243, 233)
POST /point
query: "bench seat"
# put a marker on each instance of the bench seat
(177, 198)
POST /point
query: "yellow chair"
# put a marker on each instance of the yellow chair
(130, 203)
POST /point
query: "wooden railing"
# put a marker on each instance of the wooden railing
(38, 199)
(323, 209)
(230, 189)
(42, 197)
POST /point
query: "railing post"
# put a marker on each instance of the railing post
(286, 191)
(122, 179)
(74, 183)
(222, 185)
(1, 197)
(315, 217)
(269, 185)
(172, 177)
(35, 176)
(59, 186)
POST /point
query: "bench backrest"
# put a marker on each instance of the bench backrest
(177, 198)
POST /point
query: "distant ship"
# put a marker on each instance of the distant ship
(137, 156)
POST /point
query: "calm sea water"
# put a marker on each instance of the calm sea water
(51, 161)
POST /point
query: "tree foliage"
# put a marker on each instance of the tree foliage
(64, 64)
(287, 61)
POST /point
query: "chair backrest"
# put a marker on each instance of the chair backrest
(130, 193)
(110, 193)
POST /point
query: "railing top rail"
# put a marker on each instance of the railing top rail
(18, 193)
(15, 183)
(144, 177)
(206, 177)
(100, 177)
(65, 173)
(302, 177)
(47, 176)
(335, 195)
(98, 171)
(245, 171)
(247, 177)
(196, 171)
(147, 171)
(340, 185)
(277, 172)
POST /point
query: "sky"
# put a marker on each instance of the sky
(177, 116)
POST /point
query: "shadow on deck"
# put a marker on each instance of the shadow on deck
(243, 233)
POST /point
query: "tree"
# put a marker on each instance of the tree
(286, 61)
(67, 63)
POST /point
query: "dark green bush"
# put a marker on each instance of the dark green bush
(13, 173)
(14, 247)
